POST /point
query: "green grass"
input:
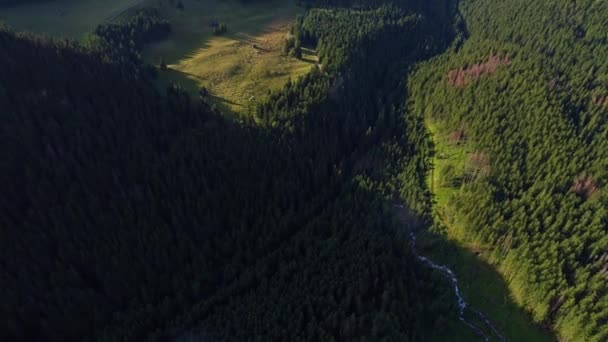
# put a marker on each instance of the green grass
(484, 288)
(62, 18)
(237, 74)
(481, 281)
(446, 153)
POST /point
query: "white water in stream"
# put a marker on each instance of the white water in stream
(462, 304)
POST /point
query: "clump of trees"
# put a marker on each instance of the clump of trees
(296, 52)
(219, 28)
(122, 41)
(292, 47)
(143, 26)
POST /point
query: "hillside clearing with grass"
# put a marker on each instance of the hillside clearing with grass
(482, 283)
(239, 66)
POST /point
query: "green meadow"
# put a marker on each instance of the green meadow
(240, 66)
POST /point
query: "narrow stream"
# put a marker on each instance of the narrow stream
(462, 304)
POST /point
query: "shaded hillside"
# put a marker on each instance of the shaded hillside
(131, 215)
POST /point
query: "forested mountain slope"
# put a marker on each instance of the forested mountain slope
(526, 96)
(128, 215)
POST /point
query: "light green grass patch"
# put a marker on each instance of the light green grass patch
(481, 282)
(446, 154)
(236, 73)
(63, 18)
(484, 287)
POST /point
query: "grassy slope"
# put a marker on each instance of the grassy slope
(64, 18)
(482, 284)
(235, 72)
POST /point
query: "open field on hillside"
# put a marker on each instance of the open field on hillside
(238, 67)
(63, 18)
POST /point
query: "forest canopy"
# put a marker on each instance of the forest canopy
(130, 213)
(526, 90)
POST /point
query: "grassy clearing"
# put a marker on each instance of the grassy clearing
(62, 18)
(236, 73)
(446, 153)
(481, 281)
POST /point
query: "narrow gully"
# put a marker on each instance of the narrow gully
(462, 304)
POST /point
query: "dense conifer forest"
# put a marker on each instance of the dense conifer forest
(133, 214)
(525, 93)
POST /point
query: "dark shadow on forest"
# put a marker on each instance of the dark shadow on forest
(222, 104)
(185, 80)
(471, 270)
(216, 98)
(483, 287)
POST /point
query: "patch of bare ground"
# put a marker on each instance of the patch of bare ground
(601, 101)
(465, 75)
(604, 265)
(478, 165)
(585, 186)
(456, 137)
